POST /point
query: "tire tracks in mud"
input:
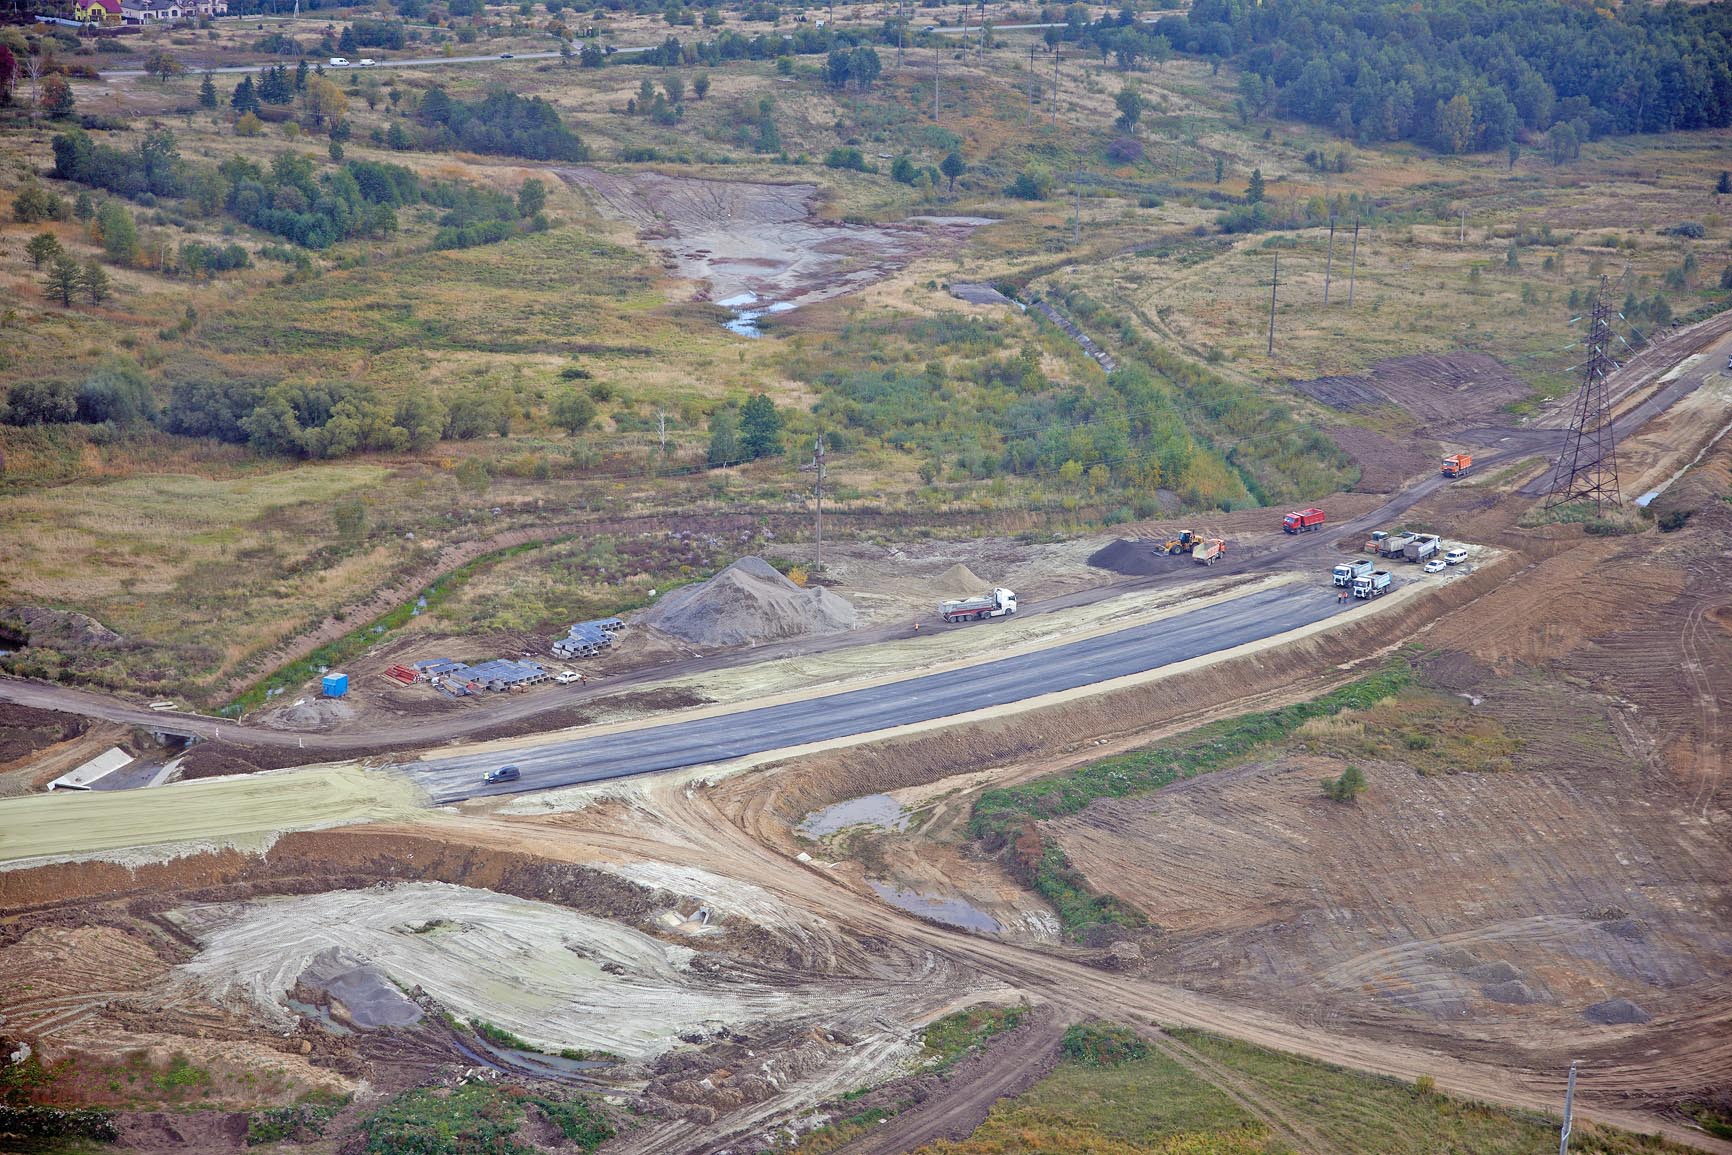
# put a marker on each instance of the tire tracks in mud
(710, 839)
(1007, 1070)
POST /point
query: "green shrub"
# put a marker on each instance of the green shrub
(1099, 1045)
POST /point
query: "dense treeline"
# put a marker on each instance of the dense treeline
(286, 418)
(501, 123)
(291, 199)
(1458, 75)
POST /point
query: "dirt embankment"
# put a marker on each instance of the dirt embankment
(1441, 393)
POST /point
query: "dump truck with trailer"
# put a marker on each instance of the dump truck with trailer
(1422, 547)
(1209, 552)
(1395, 545)
(996, 604)
(1372, 585)
(1350, 571)
(1457, 464)
(1303, 521)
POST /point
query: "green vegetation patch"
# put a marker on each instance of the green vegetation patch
(949, 1040)
(1423, 728)
(1005, 819)
(1129, 1106)
(1352, 1112)
(474, 1119)
(1100, 1045)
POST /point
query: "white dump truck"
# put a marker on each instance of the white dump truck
(1349, 571)
(1372, 585)
(997, 604)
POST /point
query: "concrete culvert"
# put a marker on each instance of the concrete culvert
(1616, 1012)
(748, 602)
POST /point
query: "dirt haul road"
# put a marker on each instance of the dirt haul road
(1135, 650)
(671, 823)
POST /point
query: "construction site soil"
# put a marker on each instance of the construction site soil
(1440, 393)
(1481, 927)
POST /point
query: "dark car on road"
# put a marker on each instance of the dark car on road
(503, 774)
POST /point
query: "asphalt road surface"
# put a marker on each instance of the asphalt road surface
(704, 740)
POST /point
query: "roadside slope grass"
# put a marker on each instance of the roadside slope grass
(1157, 1105)
(1006, 820)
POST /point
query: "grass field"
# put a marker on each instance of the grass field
(1172, 1104)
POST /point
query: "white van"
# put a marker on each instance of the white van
(339, 62)
(1455, 556)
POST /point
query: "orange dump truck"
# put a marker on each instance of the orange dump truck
(1457, 464)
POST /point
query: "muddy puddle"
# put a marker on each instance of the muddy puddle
(879, 810)
(757, 247)
(949, 910)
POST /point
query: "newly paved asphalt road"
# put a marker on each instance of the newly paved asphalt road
(566, 761)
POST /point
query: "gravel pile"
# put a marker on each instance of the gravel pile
(748, 602)
(1616, 1012)
(1137, 558)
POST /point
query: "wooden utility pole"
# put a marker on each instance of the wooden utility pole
(934, 79)
(1330, 263)
(1075, 213)
(1055, 55)
(1274, 283)
(1353, 265)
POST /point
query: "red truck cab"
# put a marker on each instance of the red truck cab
(1303, 521)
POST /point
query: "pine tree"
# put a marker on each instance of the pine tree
(62, 279)
(93, 279)
(760, 428)
(42, 248)
(1724, 184)
(246, 96)
(1255, 191)
(207, 93)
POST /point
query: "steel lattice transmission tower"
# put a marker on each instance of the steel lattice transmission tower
(1587, 469)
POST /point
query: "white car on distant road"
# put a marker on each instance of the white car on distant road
(366, 62)
(567, 677)
(1436, 565)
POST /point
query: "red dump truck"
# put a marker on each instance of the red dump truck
(1303, 521)
(1457, 464)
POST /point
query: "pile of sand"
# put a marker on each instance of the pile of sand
(958, 582)
(748, 602)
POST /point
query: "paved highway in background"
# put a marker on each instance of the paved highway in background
(560, 761)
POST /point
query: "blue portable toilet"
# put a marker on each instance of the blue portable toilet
(335, 685)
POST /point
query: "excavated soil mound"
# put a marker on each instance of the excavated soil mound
(59, 629)
(1136, 558)
(748, 602)
(1616, 1012)
(1515, 993)
(357, 994)
(959, 582)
